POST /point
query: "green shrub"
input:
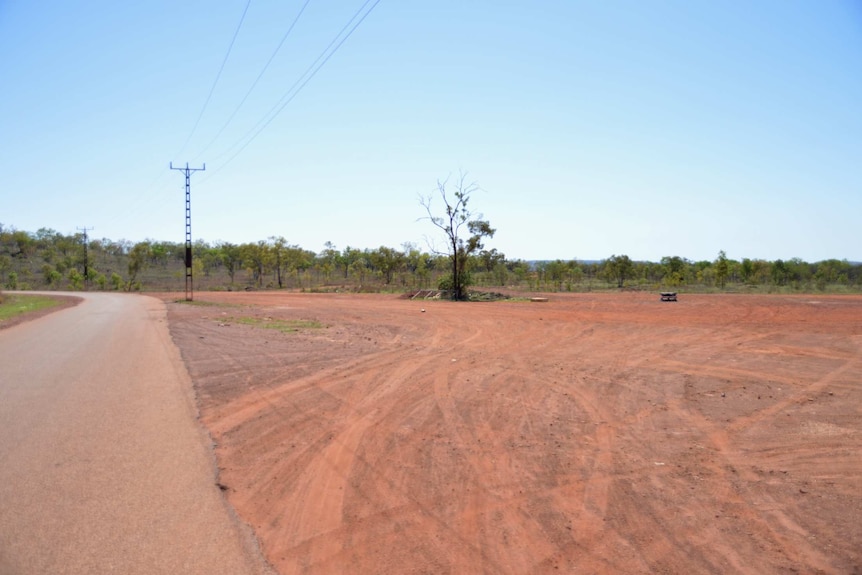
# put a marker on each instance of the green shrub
(76, 279)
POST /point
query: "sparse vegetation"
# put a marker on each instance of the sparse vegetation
(199, 303)
(278, 324)
(464, 234)
(12, 305)
(50, 260)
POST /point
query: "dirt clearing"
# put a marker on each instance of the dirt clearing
(592, 433)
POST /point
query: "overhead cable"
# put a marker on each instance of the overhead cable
(297, 86)
(259, 76)
(215, 82)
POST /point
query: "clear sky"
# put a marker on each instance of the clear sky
(593, 128)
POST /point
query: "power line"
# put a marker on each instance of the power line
(215, 82)
(157, 191)
(190, 290)
(297, 86)
(86, 254)
(134, 208)
(254, 84)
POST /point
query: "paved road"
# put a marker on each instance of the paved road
(103, 467)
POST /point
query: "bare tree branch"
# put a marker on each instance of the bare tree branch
(458, 217)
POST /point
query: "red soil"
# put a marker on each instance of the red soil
(594, 433)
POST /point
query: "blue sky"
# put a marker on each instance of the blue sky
(593, 128)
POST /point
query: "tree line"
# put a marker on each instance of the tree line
(47, 259)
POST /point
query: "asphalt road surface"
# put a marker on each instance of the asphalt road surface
(103, 465)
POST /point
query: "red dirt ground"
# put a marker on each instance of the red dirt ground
(594, 433)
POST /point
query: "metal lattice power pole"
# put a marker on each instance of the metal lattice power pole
(190, 290)
(86, 256)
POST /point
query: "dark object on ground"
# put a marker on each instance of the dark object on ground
(668, 296)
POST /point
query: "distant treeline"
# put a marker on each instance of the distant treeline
(50, 260)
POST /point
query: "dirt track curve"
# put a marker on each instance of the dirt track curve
(103, 466)
(605, 433)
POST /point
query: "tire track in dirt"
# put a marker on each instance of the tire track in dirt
(588, 434)
(664, 544)
(552, 519)
(774, 527)
(491, 507)
(330, 467)
(800, 394)
(599, 393)
(317, 491)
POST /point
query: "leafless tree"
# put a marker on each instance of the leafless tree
(464, 230)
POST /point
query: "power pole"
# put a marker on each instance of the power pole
(86, 256)
(190, 290)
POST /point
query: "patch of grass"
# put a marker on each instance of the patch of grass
(14, 305)
(205, 303)
(282, 325)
